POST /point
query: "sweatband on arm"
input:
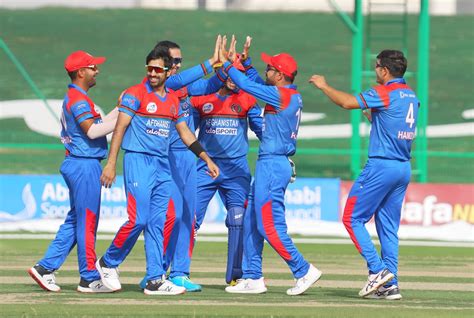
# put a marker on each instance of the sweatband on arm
(196, 148)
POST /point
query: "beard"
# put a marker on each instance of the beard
(156, 82)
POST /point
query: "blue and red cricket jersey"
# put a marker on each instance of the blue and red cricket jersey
(223, 123)
(77, 107)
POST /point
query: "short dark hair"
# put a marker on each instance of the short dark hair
(291, 78)
(394, 61)
(167, 45)
(72, 75)
(157, 54)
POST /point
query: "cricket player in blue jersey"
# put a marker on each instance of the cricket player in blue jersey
(381, 186)
(83, 134)
(265, 215)
(147, 112)
(180, 218)
(224, 120)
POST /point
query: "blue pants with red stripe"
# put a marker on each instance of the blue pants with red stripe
(379, 190)
(147, 184)
(179, 226)
(233, 185)
(265, 219)
(82, 176)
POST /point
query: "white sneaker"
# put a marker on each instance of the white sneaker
(248, 286)
(109, 275)
(305, 282)
(390, 293)
(95, 286)
(375, 281)
(163, 287)
(44, 278)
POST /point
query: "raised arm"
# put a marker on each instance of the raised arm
(192, 74)
(207, 86)
(340, 98)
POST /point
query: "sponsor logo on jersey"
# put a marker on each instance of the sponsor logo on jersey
(403, 95)
(236, 108)
(207, 108)
(222, 131)
(151, 108)
(158, 132)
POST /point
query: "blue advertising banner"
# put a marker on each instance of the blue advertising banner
(26, 197)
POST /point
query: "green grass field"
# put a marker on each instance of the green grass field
(42, 38)
(435, 282)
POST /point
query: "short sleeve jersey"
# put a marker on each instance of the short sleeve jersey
(394, 108)
(187, 115)
(78, 107)
(223, 123)
(152, 119)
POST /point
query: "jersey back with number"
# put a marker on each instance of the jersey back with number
(281, 123)
(394, 108)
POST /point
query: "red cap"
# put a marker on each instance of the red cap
(283, 62)
(238, 64)
(80, 59)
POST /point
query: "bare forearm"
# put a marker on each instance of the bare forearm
(115, 145)
(340, 98)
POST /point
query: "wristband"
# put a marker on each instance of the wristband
(196, 148)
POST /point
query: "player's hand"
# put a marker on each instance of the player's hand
(318, 80)
(245, 52)
(108, 176)
(215, 57)
(232, 54)
(223, 51)
(213, 169)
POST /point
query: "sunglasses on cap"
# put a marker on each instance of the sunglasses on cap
(157, 69)
(177, 60)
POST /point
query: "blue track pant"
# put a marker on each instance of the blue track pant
(179, 226)
(147, 184)
(82, 177)
(265, 219)
(379, 190)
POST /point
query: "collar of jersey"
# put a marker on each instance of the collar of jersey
(148, 87)
(291, 86)
(77, 88)
(400, 80)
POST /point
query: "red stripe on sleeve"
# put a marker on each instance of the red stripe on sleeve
(363, 100)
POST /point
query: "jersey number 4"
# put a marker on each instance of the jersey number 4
(410, 119)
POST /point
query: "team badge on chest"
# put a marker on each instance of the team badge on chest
(236, 108)
(151, 108)
(207, 108)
